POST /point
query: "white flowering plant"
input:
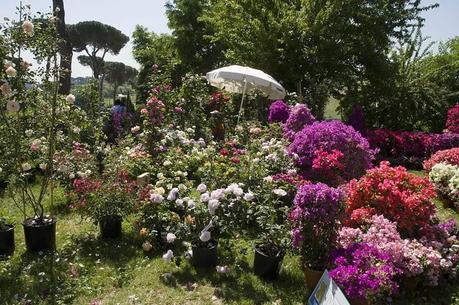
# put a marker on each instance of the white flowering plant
(445, 178)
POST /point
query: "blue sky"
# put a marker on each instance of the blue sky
(441, 23)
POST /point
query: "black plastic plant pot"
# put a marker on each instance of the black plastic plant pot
(267, 265)
(204, 254)
(7, 240)
(40, 235)
(110, 226)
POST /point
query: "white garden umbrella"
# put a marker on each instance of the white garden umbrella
(239, 79)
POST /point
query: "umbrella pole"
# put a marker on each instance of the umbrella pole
(242, 102)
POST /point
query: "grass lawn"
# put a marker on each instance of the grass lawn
(86, 269)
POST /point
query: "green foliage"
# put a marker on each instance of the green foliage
(416, 82)
(197, 51)
(317, 48)
(155, 52)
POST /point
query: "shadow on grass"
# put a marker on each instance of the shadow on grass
(33, 278)
(241, 285)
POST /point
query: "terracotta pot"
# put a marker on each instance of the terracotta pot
(359, 301)
(312, 277)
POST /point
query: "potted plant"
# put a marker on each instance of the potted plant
(272, 228)
(315, 218)
(35, 115)
(6, 237)
(106, 201)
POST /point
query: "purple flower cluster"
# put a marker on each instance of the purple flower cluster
(356, 119)
(364, 271)
(300, 116)
(315, 220)
(328, 136)
(278, 112)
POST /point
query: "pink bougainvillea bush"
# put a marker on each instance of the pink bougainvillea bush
(448, 156)
(396, 194)
(331, 152)
(452, 121)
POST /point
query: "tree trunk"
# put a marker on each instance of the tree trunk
(65, 49)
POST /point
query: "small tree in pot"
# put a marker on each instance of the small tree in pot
(273, 231)
(316, 219)
(35, 116)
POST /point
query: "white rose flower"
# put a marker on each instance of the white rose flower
(43, 166)
(213, 205)
(205, 197)
(167, 163)
(222, 269)
(168, 255)
(29, 132)
(76, 129)
(280, 192)
(249, 196)
(156, 198)
(170, 238)
(173, 194)
(205, 236)
(191, 204)
(27, 27)
(202, 188)
(135, 129)
(268, 179)
(217, 194)
(70, 98)
(26, 167)
(237, 191)
(72, 176)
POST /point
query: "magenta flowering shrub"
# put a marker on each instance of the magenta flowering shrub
(278, 112)
(300, 116)
(364, 272)
(410, 256)
(410, 148)
(331, 152)
(452, 121)
(315, 221)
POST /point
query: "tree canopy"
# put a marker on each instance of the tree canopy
(96, 39)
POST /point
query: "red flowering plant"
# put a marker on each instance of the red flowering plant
(109, 196)
(394, 193)
(452, 121)
(448, 156)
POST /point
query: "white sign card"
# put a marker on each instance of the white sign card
(327, 293)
